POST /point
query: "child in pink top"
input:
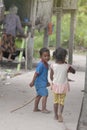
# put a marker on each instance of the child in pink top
(59, 77)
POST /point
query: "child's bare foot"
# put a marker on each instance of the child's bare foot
(45, 111)
(56, 117)
(1, 58)
(10, 60)
(60, 118)
(36, 110)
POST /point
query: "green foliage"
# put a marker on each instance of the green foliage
(38, 40)
(18, 43)
(80, 31)
(83, 10)
(82, 2)
(64, 33)
(65, 29)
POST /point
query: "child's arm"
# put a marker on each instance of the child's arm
(51, 74)
(48, 84)
(71, 70)
(51, 77)
(32, 82)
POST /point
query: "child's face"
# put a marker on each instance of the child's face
(45, 56)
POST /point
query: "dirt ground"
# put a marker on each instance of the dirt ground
(15, 92)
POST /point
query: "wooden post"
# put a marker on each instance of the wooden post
(30, 45)
(58, 27)
(46, 38)
(71, 40)
(27, 51)
(46, 35)
(21, 53)
(82, 122)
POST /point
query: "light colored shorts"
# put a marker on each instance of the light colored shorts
(59, 98)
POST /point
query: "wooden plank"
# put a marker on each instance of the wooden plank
(58, 27)
(69, 4)
(46, 38)
(71, 40)
(30, 45)
(82, 122)
(21, 53)
(26, 52)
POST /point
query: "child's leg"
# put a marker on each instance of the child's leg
(56, 106)
(37, 100)
(60, 118)
(9, 57)
(1, 54)
(56, 111)
(61, 102)
(44, 101)
(61, 106)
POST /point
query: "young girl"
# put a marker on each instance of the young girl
(40, 80)
(59, 77)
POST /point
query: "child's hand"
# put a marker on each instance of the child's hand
(31, 84)
(51, 85)
(48, 84)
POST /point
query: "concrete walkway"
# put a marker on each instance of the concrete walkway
(15, 92)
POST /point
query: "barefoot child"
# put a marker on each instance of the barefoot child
(40, 80)
(59, 78)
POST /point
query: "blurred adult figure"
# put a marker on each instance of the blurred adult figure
(11, 25)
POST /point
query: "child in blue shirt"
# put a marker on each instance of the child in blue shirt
(40, 80)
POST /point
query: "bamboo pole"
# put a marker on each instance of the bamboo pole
(21, 53)
(23, 105)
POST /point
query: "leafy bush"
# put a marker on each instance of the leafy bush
(80, 32)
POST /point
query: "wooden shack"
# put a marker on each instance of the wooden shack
(39, 13)
(61, 7)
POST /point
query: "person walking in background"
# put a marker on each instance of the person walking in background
(11, 24)
(40, 80)
(59, 81)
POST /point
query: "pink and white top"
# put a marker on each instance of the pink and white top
(60, 78)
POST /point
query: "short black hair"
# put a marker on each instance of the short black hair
(42, 50)
(59, 54)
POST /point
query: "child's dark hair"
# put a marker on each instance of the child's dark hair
(59, 54)
(42, 50)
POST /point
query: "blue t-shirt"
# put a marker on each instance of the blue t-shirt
(42, 78)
